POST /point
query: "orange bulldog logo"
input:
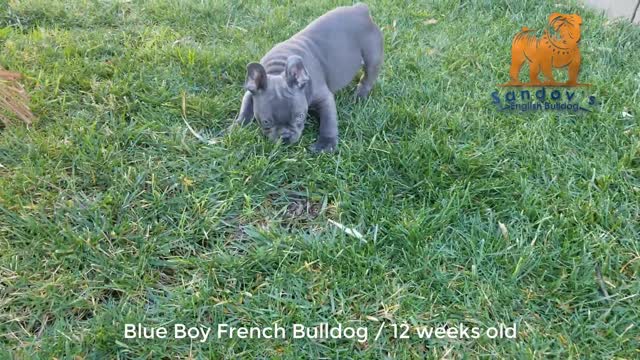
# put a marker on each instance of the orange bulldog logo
(547, 52)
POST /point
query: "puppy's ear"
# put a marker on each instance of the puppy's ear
(556, 20)
(256, 78)
(296, 74)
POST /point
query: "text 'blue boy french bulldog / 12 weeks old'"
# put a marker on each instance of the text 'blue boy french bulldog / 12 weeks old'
(305, 71)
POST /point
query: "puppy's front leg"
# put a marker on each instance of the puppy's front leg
(328, 136)
(246, 110)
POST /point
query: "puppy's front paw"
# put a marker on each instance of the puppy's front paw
(242, 120)
(324, 145)
(362, 91)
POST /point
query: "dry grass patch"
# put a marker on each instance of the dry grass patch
(13, 99)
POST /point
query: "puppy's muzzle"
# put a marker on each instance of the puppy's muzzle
(287, 136)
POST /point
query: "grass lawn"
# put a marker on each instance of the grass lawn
(111, 212)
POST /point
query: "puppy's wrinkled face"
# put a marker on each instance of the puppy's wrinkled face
(279, 101)
(280, 110)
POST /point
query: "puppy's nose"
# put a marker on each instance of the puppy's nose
(286, 136)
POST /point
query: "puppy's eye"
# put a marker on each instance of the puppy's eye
(266, 123)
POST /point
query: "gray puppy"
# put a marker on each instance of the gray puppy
(305, 71)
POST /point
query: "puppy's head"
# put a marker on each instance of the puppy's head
(279, 101)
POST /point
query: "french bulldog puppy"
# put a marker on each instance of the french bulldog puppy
(305, 71)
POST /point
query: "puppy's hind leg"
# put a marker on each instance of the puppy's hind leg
(373, 56)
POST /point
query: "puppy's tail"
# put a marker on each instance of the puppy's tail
(362, 6)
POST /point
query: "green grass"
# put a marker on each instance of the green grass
(111, 212)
